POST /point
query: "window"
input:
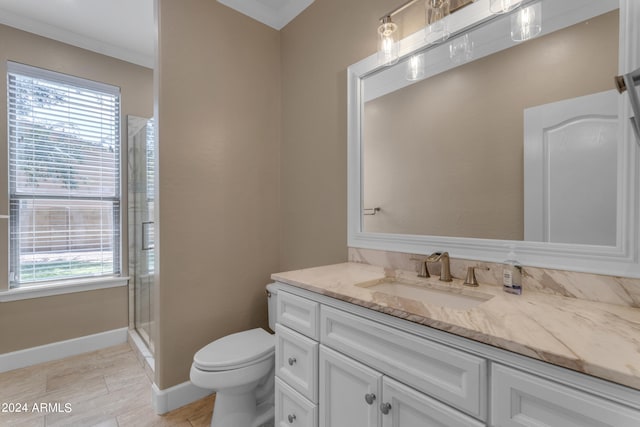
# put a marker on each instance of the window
(64, 177)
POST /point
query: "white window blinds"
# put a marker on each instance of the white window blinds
(64, 176)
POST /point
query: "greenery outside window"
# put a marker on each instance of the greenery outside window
(64, 177)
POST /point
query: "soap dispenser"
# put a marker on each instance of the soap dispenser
(512, 273)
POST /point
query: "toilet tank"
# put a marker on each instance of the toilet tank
(272, 300)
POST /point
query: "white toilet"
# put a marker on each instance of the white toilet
(240, 369)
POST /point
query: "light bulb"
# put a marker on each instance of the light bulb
(415, 67)
(437, 12)
(387, 42)
(461, 49)
(526, 23)
(503, 6)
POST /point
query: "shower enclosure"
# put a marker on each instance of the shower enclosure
(141, 167)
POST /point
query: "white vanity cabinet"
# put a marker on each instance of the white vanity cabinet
(299, 314)
(405, 407)
(297, 362)
(354, 395)
(341, 365)
(292, 408)
(349, 391)
(339, 370)
(296, 388)
(522, 400)
(449, 375)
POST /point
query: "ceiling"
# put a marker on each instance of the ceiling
(274, 13)
(123, 29)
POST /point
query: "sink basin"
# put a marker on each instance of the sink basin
(451, 298)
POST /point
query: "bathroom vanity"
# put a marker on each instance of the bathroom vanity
(360, 344)
(351, 353)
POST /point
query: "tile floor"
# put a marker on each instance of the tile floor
(105, 388)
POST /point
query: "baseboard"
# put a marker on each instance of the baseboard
(177, 396)
(61, 349)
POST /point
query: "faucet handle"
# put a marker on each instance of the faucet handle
(437, 256)
(471, 276)
(424, 270)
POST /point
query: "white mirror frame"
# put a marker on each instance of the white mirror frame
(621, 260)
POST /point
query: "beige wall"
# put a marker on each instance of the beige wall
(444, 156)
(33, 322)
(317, 48)
(39, 321)
(219, 121)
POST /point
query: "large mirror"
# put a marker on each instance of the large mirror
(493, 142)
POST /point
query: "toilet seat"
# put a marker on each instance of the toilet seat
(235, 351)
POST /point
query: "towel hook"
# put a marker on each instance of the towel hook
(370, 211)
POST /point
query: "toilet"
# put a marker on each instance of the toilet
(240, 369)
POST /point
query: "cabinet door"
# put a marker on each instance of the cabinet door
(349, 392)
(402, 406)
(522, 400)
(447, 374)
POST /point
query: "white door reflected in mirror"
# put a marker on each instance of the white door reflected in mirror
(570, 169)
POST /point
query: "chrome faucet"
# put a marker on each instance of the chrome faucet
(443, 259)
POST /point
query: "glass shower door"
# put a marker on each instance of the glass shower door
(141, 168)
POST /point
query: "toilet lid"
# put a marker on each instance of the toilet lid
(235, 350)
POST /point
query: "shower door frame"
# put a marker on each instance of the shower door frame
(140, 223)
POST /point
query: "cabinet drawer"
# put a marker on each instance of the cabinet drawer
(293, 409)
(519, 399)
(442, 372)
(297, 362)
(299, 314)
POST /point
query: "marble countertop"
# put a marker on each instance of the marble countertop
(599, 339)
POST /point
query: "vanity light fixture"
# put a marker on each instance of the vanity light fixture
(503, 6)
(526, 23)
(388, 37)
(461, 49)
(437, 29)
(437, 12)
(415, 67)
(388, 43)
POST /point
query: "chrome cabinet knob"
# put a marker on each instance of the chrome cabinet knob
(292, 361)
(369, 398)
(291, 418)
(385, 408)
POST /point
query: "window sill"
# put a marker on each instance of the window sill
(60, 288)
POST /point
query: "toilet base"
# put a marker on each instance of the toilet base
(244, 397)
(238, 408)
